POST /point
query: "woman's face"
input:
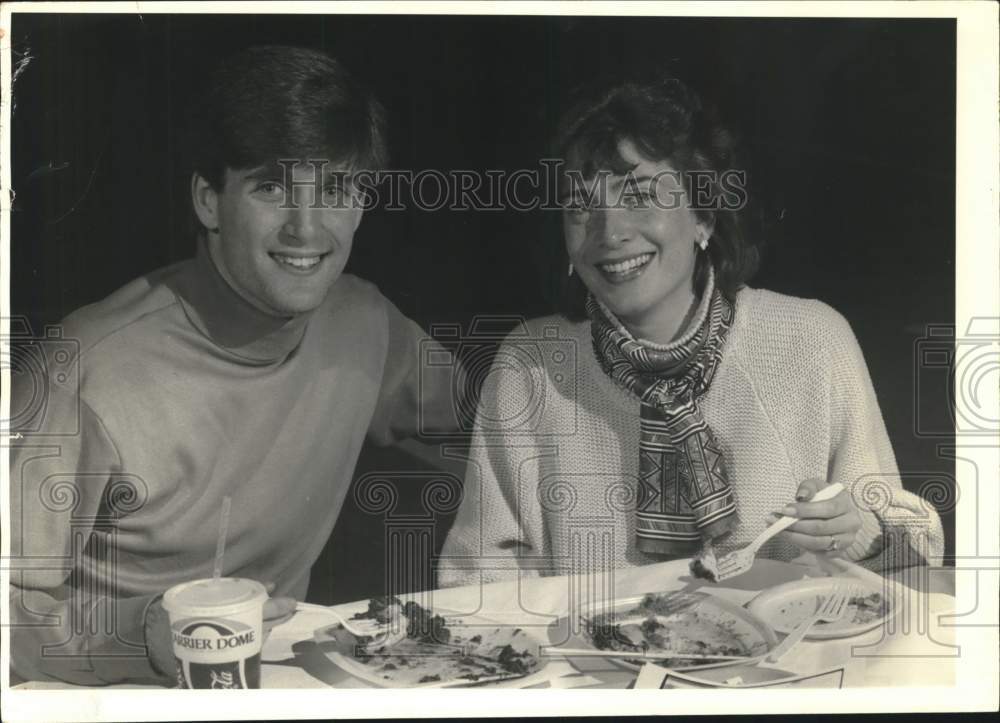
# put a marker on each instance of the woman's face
(639, 257)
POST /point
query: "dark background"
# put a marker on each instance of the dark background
(849, 126)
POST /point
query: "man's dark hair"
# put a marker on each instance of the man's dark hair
(666, 121)
(273, 102)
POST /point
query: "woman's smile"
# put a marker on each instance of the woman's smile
(618, 271)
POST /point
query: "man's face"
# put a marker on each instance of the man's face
(282, 241)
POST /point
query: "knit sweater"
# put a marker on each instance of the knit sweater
(553, 465)
(186, 395)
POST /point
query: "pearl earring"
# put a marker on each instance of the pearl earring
(570, 273)
(703, 243)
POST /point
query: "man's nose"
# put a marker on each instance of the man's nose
(302, 221)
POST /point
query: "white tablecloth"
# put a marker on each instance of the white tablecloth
(907, 654)
(914, 651)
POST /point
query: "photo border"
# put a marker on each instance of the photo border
(977, 262)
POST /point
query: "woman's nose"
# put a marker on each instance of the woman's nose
(611, 226)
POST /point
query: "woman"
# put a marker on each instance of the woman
(670, 405)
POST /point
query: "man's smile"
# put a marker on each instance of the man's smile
(298, 263)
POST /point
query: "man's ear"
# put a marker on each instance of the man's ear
(206, 202)
(359, 214)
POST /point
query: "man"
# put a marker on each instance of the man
(253, 371)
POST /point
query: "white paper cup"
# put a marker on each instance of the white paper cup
(217, 630)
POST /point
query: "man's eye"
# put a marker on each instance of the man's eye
(335, 192)
(269, 189)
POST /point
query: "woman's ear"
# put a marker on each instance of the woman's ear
(206, 202)
(705, 227)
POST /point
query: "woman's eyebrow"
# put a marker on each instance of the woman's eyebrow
(628, 181)
(612, 178)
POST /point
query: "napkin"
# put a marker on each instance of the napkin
(739, 677)
(562, 675)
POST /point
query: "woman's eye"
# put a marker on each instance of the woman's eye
(638, 200)
(577, 212)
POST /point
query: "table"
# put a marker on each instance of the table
(915, 651)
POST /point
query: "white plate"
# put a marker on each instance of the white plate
(706, 616)
(784, 606)
(338, 645)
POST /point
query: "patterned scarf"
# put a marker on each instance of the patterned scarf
(684, 495)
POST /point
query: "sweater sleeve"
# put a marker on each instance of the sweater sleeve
(414, 397)
(499, 531)
(898, 527)
(67, 625)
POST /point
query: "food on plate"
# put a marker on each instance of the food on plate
(867, 608)
(861, 610)
(380, 610)
(659, 624)
(435, 650)
(706, 565)
(786, 606)
(421, 624)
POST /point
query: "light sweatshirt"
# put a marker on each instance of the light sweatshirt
(553, 465)
(175, 394)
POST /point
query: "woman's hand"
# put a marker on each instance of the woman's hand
(828, 526)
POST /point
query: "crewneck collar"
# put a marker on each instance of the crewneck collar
(229, 321)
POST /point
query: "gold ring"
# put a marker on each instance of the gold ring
(832, 547)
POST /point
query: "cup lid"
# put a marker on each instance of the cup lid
(213, 593)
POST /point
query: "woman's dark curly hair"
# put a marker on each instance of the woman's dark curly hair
(666, 121)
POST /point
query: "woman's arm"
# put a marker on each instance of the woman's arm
(499, 530)
(898, 527)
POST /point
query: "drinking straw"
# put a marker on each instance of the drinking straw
(220, 546)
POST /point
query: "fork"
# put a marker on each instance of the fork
(636, 654)
(739, 561)
(667, 604)
(832, 609)
(395, 630)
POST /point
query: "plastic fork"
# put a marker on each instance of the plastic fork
(394, 632)
(739, 561)
(831, 610)
(637, 654)
(666, 605)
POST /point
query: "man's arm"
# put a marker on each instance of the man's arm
(414, 398)
(66, 623)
